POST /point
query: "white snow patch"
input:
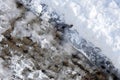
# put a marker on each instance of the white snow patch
(1, 37)
(38, 74)
(18, 65)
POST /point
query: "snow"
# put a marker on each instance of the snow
(39, 74)
(96, 21)
(1, 37)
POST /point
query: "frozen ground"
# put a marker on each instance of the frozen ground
(31, 49)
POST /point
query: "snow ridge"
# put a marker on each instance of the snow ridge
(97, 18)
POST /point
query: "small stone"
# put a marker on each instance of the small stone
(26, 41)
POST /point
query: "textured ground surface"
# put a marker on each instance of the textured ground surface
(31, 49)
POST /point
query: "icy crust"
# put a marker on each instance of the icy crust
(93, 53)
